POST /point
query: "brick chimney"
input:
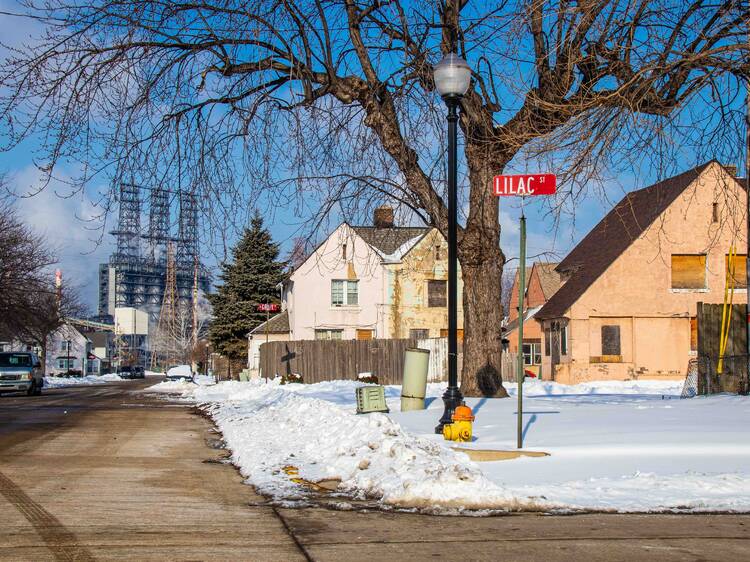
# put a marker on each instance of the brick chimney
(731, 169)
(383, 217)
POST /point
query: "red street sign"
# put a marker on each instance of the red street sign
(525, 184)
(267, 307)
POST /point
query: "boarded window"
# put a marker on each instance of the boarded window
(459, 334)
(739, 279)
(364, 334)
(688, 271)
(547, 338)
(437, 293)
(693, 334)
(610, 340)
(419, 334)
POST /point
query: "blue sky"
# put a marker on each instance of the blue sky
(73, 220)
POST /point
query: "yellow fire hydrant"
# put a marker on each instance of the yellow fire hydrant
(460, 429)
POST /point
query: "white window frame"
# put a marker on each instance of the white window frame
(346, 293)
(534, 352)
(328, 333)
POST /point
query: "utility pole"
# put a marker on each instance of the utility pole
(521, 295)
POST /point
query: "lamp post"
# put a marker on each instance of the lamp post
(452, 76)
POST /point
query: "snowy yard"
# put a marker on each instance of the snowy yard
(614, 446)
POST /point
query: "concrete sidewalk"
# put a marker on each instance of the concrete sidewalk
(108, 473)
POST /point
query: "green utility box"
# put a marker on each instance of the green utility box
(371, 399)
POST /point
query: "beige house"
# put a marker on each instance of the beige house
(365, 282)
(628, 304)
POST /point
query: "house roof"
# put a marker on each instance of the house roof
(391, 241)
(549, 278)
(100, 339)
(612, 236)
(278, 324)
(528, 314)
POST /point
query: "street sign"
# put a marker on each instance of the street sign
(267, 307)
(525, 184)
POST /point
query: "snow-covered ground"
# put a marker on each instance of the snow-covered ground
(614, 446)
(59, 382)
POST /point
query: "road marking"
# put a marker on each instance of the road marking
(63, 544)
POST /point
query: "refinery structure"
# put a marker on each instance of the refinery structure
(136, 276)
(155, 268)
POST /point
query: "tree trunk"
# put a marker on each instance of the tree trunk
(482, 263)
(483, 312)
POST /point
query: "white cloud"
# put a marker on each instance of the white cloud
(71, 222)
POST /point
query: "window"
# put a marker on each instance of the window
(344, 292)
(715, 212)
(419, 334)
(437, 293)
(343, 251)
(547, 342)
(364, 334)
(610, 340)
(437, 252)
(688, 271)
(65, 363)
(328, 334)
(532, 353)
(564, 340)
(738, 278)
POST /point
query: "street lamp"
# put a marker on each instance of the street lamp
(452, 76)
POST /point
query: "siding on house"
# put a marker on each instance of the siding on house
(640, 289)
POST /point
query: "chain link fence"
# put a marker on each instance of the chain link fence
(709, 375)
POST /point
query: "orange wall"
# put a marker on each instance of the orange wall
(635, 291)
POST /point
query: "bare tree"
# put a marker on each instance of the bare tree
(328, 106)
(25, 277)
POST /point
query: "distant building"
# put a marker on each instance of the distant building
(542, 281)
(627, 307)
(69, 351)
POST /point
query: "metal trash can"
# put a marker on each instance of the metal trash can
(414, 387)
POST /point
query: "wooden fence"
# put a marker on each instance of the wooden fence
(325, 360)
(734, 363)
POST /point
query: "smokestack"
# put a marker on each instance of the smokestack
(383, 217)
(58, 286)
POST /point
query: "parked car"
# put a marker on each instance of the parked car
(180, 372)
(21, 371)
(131, 372)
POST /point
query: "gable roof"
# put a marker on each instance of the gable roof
(612, 236)
(278, 324)
(394, 241)
(549, 278)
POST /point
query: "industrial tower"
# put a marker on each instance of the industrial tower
(136, 274)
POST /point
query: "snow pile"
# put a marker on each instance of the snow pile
(183, 387)
(61, 382)
(372, 455)
(629, 446)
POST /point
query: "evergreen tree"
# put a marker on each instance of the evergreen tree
(251, 278)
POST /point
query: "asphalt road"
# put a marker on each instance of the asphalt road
(107, 473)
